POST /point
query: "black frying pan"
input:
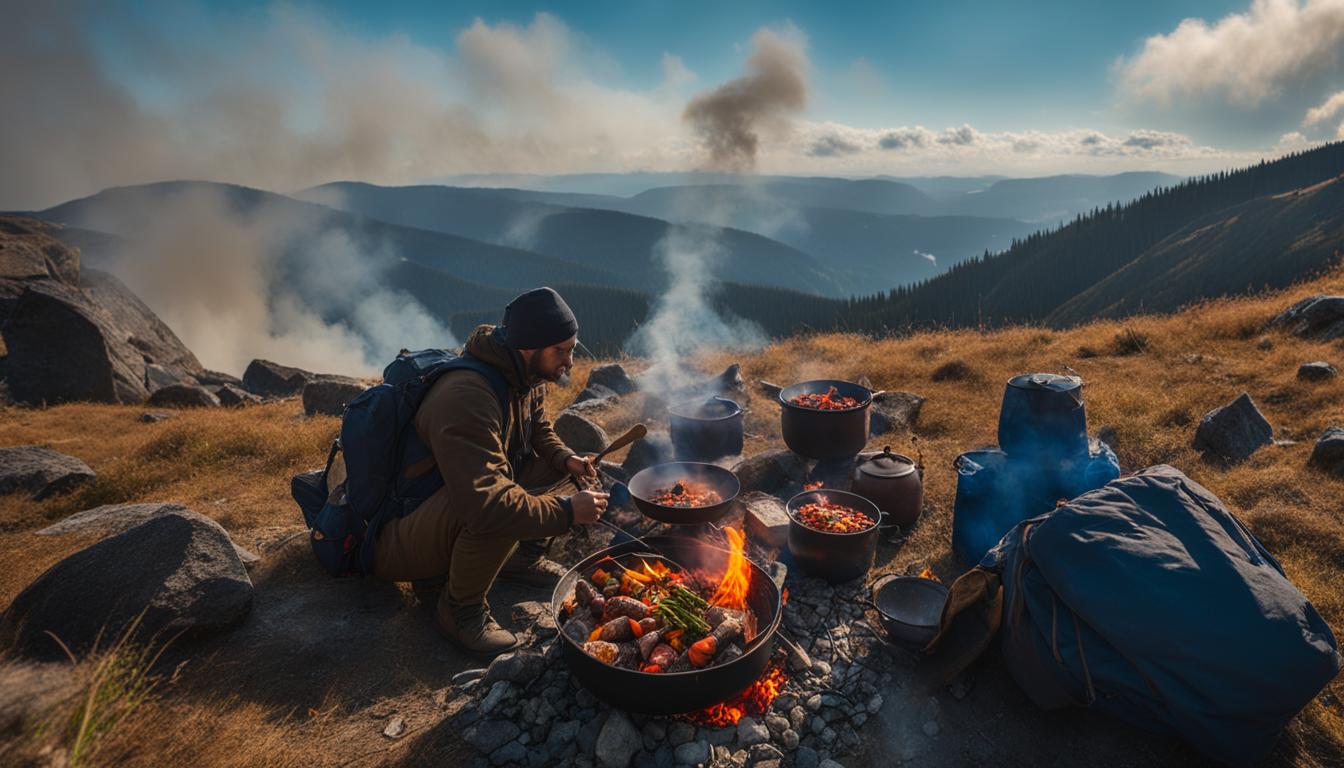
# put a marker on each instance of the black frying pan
(645, 485)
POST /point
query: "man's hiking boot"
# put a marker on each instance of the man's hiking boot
(529, 565)
(475, 631)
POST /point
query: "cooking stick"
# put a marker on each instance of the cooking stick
(636, 432)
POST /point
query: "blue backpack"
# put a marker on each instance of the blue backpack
(378, 442)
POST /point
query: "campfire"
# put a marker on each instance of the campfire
(754, 701)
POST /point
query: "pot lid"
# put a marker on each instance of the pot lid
(1046, 381)
(888, 465)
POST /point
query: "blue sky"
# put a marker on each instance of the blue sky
(283, 95)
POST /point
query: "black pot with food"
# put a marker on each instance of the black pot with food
(833, 534)
(672, 692)
(705, 430)
(684, 492)
(825, 419)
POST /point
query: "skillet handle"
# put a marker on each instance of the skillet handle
(884, 515)
(876, 585)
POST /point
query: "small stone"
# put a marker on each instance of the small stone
(489, 735)
(1316, 371)
(680, 733)
(806, 757)
(859, 719)
(585, 698)
(875, 703)
(931, 728)
(718, 736)
(765, 519)
(151, 417)
(829, 763)
(618, 741)
(466, 676)
(790, 739)
(776, 723)
(828, 736)
(395, 728)
(750, 732)
(562, 734)
(692, 753)
(498, 692)
(654, 729)
(821, 668)
(510, 754)
(1328, 452)
(1231, 433)
(814, 702)
(516, 667)
(818, 724)
(798, 716)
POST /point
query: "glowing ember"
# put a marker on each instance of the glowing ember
(928, 573)
(784, 596)
(732, 591)
(812, 486)
(754, 701)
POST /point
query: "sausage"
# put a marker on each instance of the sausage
(598, 605)
(621, 605)
(663, 655)
(647, 642)
(616, 631)
(647, 625)
(584, 592)
(605, 652)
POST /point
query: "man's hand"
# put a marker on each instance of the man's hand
(581, 467)
(588, 506)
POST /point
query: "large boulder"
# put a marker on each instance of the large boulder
(768, 471)
(595, 393)
(1315, 317)
(327, 395)
(172, 575)
(41, 471)
(28, 251)
(111, 519)
(580, 434)
(183, 396)
(894, 412)
(269, 379)
(1328, 453)
(209, 378)
(91, 342)
(231, 396)
(1231, 433)
(654, 448)
(613, 378)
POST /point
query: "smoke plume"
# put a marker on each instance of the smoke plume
(731, 118)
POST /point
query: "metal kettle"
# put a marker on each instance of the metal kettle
(894, 483)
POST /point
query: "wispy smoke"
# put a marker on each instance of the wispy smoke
(238, 285)
(731, 118)
(929, 257)
(684, 322)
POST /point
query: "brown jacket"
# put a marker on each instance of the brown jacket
(460, 421)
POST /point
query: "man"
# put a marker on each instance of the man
(503, 494)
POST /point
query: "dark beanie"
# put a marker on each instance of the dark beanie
(537, 319)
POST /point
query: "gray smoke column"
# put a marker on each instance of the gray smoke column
(731, 118)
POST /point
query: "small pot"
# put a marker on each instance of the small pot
(705, 430)
(835, 557)
(909, 608)
(825, 435)
(893, 482)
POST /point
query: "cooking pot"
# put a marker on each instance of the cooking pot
(825, 435)
(830, 555)
(894, 483)
(705, 430)
(909, 608)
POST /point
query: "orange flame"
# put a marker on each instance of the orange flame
(732, 591)
(928, 573)
(784, 596)
(813, 486)
(754, 701)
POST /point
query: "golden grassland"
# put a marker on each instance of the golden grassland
(1150, 378)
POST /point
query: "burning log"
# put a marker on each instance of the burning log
(719, 614)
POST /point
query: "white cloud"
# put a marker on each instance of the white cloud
(1327, 109)
(1244, 58)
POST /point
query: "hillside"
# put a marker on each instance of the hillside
(234, 466)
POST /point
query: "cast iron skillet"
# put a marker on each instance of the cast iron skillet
(645, 484)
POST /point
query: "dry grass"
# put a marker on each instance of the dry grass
(1150, 379)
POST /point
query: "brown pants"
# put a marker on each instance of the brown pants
(432, 541)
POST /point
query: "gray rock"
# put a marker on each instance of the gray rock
(489, 735)
(931, 728)
(183, 396)
(1319, 370)
(655, 448)
(894, 412)
(768, 471)
(692, 753)
(467, 676)
(30, 249)
(510, 754)
(175, 572)
(41, 471)
(231, 396)
(790, 739)
(612, 377)
(806, 757)
(500, 692)
(765, 519)
(1316, 317)
(208, 378)
(396, 728)
(751, 732)
(111, 519)
(595, 392)
(615, 470)
(152, 417)
(580, 434)
(536, 615)
(1231, 433)
(777, 724)
(160, 376)
(1328, 453)
(90, 341)
(515, 667)
(327, 395)
(618, 741)
(269, 379)
(828, 763)
(680, 732)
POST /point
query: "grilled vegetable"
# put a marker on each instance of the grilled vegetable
(703, 651)
(683, 609)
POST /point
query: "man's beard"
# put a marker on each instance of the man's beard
(537, 375)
